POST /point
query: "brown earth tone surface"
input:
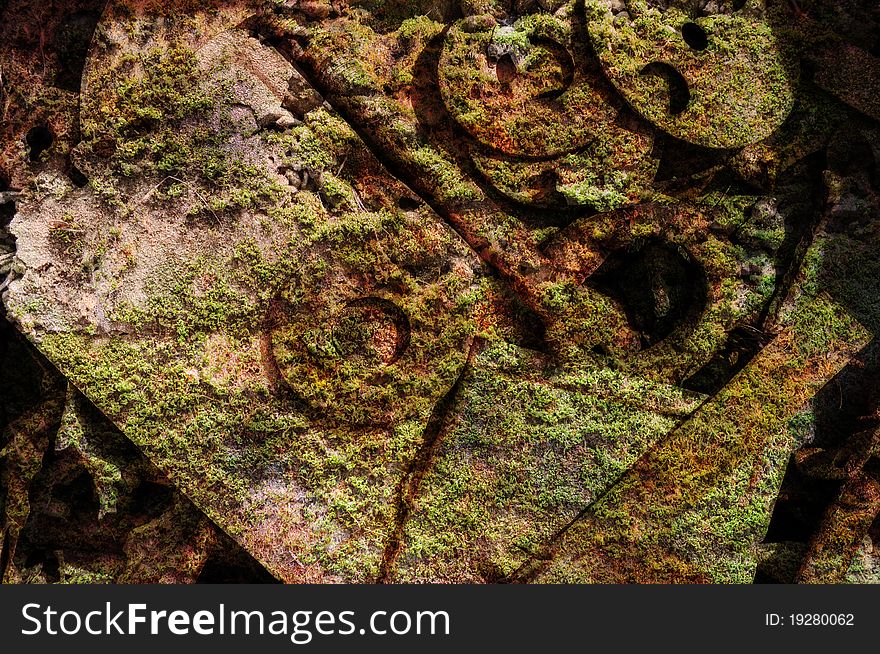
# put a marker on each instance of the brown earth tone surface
(480, 291)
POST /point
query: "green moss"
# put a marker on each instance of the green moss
(71, 574)
(526, 450)
(146, 118)
(741, 86)
(419, 29)
(189, 384)
(452, 186)
(694, 506)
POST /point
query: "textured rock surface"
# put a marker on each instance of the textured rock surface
(362, 291)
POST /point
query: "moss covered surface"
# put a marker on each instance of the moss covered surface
(740, 85)
(439, 326)
(525, 451)
(693, 506)
(205, 344)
